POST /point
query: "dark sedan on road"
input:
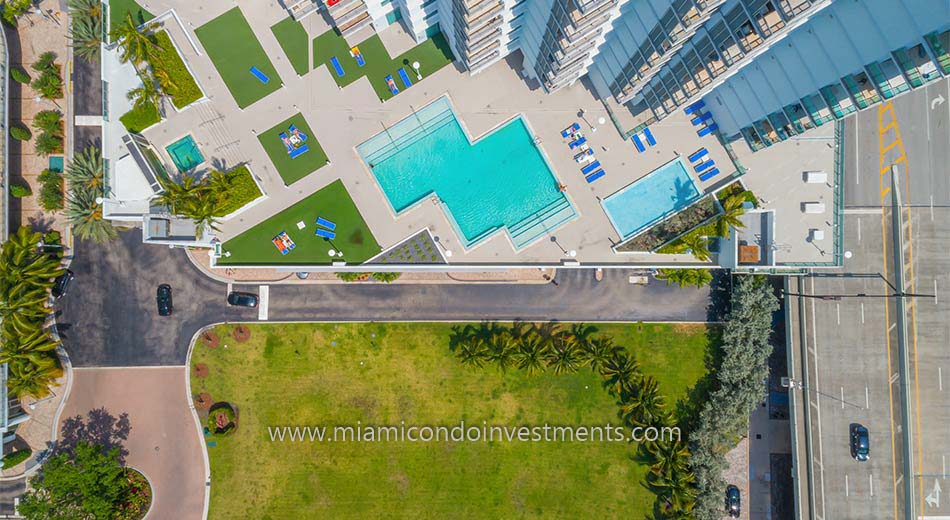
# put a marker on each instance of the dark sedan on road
(733, 505)
(164, 299)
(860, 443)
(61, 284)
(242, 299)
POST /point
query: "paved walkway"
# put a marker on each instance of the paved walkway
(109, 316)
(163, 441)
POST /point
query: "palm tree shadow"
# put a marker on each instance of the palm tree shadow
(683, 193)
(98, 428)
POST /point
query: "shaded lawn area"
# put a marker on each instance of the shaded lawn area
(432, 55)
(353, 237)
(242, 190)
(234, 49)
(382, 374)
(290, 169)
(139, 119)
(293, 39)
(119, 8)
(182, 87)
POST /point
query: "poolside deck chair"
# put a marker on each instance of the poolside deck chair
(300, 150)
(326, 223)
(575, 144)
(694, 107)
(594, 176)
(590, 167)
(259, 75)
(405, 78)
(649, 136)
(329, 235)
(336, 66)
(584, 157)
(358, 56)
(707, 130)
(702, 118)
(570, 130)
(709, 175)
(639, 144)
(698, 154)
(703, 165)
(392, 85)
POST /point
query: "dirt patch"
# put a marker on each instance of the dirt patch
(210, 339)
(241, 333)
(401, 480)
(203, 401)
(201, 370)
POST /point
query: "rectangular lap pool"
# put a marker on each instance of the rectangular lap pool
(185, 154)
(499, 181)
(646, 201)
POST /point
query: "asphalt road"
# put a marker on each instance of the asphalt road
(109, 316)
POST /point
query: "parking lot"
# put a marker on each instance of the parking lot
(870, 357)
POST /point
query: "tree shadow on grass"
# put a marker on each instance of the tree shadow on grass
(98, 427)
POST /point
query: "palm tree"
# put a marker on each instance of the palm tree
(564, 357)
(33, 379)
(134, 46)
(668, 457)
(503, 349)
(685, 277)
(644, 406)
(698, 245)
(85, 171)
(531, 354)
(85, 28)
(581, 334)
(36, 347)
(599, 351)
(148, 95)
(84, 213)
(620, 373)
(732, 209)
(677, 493)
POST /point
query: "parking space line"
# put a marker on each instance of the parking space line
(871, 483)
(838, 312)
(862, 312)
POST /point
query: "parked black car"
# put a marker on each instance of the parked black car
(61, 284)
(243, 299)
(733, 501)
(164, 298)
(860, 443)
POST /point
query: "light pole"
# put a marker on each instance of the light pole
(415, 65)
(788, 382)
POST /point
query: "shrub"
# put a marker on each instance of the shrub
(13, 458)
(139, 119)
(49, 85)
(18, 191)
(241, 190)
(50, 176)
(20, 76)
(14, 8)
(172, 74)
(48, 143)
(20, 133)
(52, 238)
(386, 277)
(51, 194)
(49, 121)
(46, 62)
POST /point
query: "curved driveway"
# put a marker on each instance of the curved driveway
(109, 316)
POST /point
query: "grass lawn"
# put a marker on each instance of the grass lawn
(242, 190)
(136, 120)
(183, 89)
(292, 170)
(333, 203)
(234, 49)
(119, 8)
(382, 374)
(294, 40)
(432, 55)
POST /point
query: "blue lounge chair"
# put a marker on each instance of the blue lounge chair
(709, 175)
(392, 85)
(594, 176)
(695, 106)
(326, 223)
(329, 235)
(405, 78)
(590, 167)
(706, 130)
(336, 66)
(358, 56)
(639, 144)
(699, 154)
(575, 144)
(570, 130)
(702, 166)
(649, 136)
(259, 75)
(702, 118)
(300, 150)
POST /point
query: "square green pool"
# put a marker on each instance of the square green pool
(185, 154)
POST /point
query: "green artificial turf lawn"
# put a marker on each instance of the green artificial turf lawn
(293, 39)
(381, 374)
(136, 120)
(292, 170)
(119, 8)
(432, 55)
(353, 237)
(241, 191)
(234, 49)
(183, 89)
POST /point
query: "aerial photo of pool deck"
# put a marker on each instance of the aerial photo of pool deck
(491, 168)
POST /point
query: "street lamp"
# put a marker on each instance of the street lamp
(415, 65)
(790, 383)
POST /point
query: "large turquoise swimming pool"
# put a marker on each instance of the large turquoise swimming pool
(499, 181)
(646, 201)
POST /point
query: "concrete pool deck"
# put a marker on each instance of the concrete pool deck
(226, 136)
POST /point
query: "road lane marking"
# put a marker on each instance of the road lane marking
(935, 292)
(867, 398)
(838, 312)
(859, 229)
(862, 312)
(846, 490)
(871, 483)
(940, 378)
(263, 304)
(842, 398)
(894, 377)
